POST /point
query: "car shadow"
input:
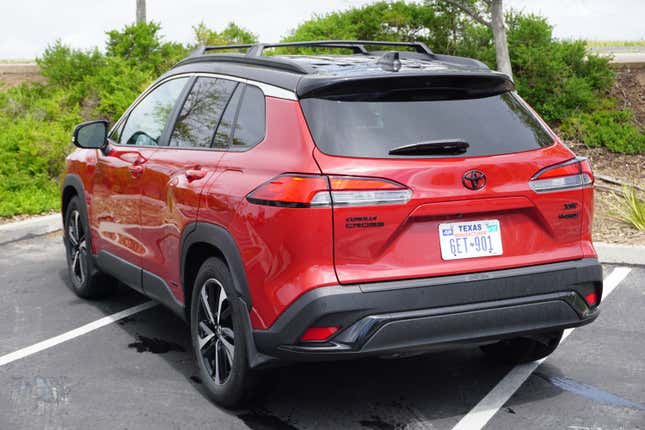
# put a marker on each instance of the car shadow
(370, 393)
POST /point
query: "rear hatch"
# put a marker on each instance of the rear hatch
(483, 192)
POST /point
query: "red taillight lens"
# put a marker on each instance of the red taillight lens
(318, 334)
(575, 173)
(592, 299)
(299, 191)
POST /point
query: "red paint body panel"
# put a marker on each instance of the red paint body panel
(407, 246)
(285, 251)
(141, 215)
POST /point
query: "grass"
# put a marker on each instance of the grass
(615, 43)
(629, 208)
(16, 61)
(29, 200)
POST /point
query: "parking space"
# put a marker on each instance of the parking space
(139, 373)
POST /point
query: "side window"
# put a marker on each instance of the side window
(223, 134)
(198, 119)
(251, 119)
(147, 120)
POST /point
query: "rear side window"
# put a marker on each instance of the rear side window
(243, 124)
(250, 124)
(499, 124)
(201, 113)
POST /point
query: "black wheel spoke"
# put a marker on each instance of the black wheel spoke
(215, 335)
(78, 247)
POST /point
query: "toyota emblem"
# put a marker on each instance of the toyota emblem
(474, 180)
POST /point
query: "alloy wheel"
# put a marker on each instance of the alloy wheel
(215, 335)
(77, 247)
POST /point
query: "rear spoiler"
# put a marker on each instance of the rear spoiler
(401, 87)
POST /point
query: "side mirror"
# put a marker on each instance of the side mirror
(91, 135)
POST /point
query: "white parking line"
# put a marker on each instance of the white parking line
(84, 329)
(499, 395)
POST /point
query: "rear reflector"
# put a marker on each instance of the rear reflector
(318, 334)
(572, 174)
(303, 191)
(591, 299)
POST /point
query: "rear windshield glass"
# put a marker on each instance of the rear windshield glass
(500, 124)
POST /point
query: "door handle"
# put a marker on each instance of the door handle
(136, 170)
(196, 173)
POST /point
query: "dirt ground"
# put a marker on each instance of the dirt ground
(628, 169)
(12, 74)
(630, 89)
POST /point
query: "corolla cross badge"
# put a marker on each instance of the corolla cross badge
(474, 180)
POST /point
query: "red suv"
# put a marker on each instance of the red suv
(385, 201)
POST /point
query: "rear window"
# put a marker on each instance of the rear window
(499, 124)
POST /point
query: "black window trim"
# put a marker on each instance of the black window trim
(266, 89)
(230, 97)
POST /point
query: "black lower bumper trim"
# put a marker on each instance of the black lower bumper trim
(430, 313)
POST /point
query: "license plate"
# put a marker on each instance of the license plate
(470, 239)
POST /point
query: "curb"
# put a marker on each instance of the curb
(620, 254)
(29, 228)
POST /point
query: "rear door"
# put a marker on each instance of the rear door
(174, 179)
(467, 212)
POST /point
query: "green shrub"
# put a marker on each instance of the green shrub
(231, 35)
(611, 128)
(142, 47)
(629, 208)
(36, 121)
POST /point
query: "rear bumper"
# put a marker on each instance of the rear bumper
(435, 313)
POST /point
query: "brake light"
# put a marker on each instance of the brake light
(591, 299)
(301, 191)
(318, 334)
(575, 173)
(296, 191)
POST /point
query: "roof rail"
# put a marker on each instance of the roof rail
(253, 55)
(357, 46)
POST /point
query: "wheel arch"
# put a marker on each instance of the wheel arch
(72, 186)
(203, 240)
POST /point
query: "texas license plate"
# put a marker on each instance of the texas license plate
(470, 239)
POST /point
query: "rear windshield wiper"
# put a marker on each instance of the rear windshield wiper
(433, 147)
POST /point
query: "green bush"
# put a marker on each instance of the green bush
(141, 46)
(611, 128)
(36, 121)
(231, 35)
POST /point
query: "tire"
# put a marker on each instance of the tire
(218, 337)
(86, 280)
(523, 349)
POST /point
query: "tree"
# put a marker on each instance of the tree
(232, 34)
(141, 11)
(491, 14)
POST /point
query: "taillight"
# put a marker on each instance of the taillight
(575, 173)
(294, 191)
(301, 191)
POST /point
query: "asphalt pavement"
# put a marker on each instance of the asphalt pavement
(138, 372)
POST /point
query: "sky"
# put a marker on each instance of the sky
(27, 27)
